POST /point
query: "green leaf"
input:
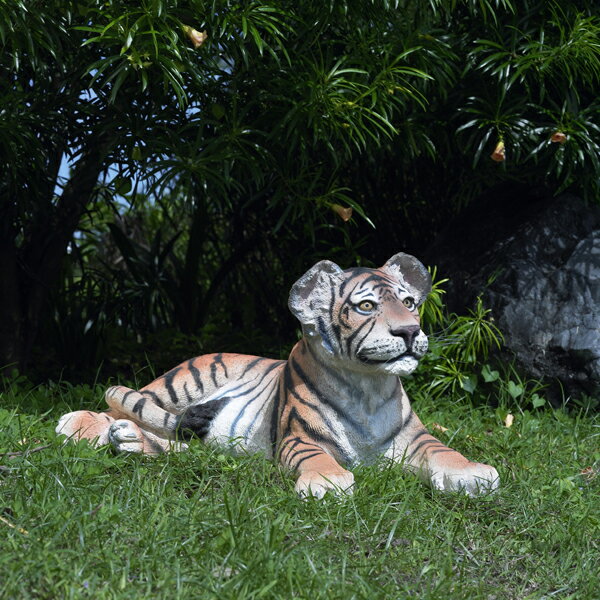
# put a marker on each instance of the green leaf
(537, 401)
(488, 375)
(122, 185)
(469, 384)
(515, 390)
(217, 110)
(136, 153)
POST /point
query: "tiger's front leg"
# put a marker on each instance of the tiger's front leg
(110, 428)
(317, 470)
(443, 468)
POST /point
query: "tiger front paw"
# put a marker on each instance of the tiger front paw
(127, 436)
(312, 483)
(474, 479)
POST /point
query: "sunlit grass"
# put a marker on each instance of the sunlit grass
(84, 523)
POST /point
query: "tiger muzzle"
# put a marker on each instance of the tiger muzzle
(409, 334)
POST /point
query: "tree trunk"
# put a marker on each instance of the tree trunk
(29, 271)
(10, 314)
(191, 289)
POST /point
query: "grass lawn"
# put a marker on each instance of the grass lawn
(84, 523)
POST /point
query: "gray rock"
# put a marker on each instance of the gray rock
(539, 263)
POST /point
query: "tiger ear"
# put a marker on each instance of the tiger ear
(312, 293)
(410, 271)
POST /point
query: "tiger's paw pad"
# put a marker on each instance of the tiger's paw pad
(316, 485)
(476, 480)
(126, 436)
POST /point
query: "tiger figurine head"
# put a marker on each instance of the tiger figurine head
(365, 320)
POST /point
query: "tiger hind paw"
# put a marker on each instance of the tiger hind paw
(85, 425)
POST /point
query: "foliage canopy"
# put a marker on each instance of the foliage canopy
(212, 145)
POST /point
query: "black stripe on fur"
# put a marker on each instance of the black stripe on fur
(196, 419)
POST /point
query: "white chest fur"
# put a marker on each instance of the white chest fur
(365, 417)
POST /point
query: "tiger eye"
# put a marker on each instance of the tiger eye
(409, 302)
(366, 305)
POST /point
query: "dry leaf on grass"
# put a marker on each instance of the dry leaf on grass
(222, 572)
(11, 525)
(438, 427)
(589, 472)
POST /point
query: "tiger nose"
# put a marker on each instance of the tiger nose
(408, 333)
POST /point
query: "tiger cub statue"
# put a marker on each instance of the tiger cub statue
(337, 400)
